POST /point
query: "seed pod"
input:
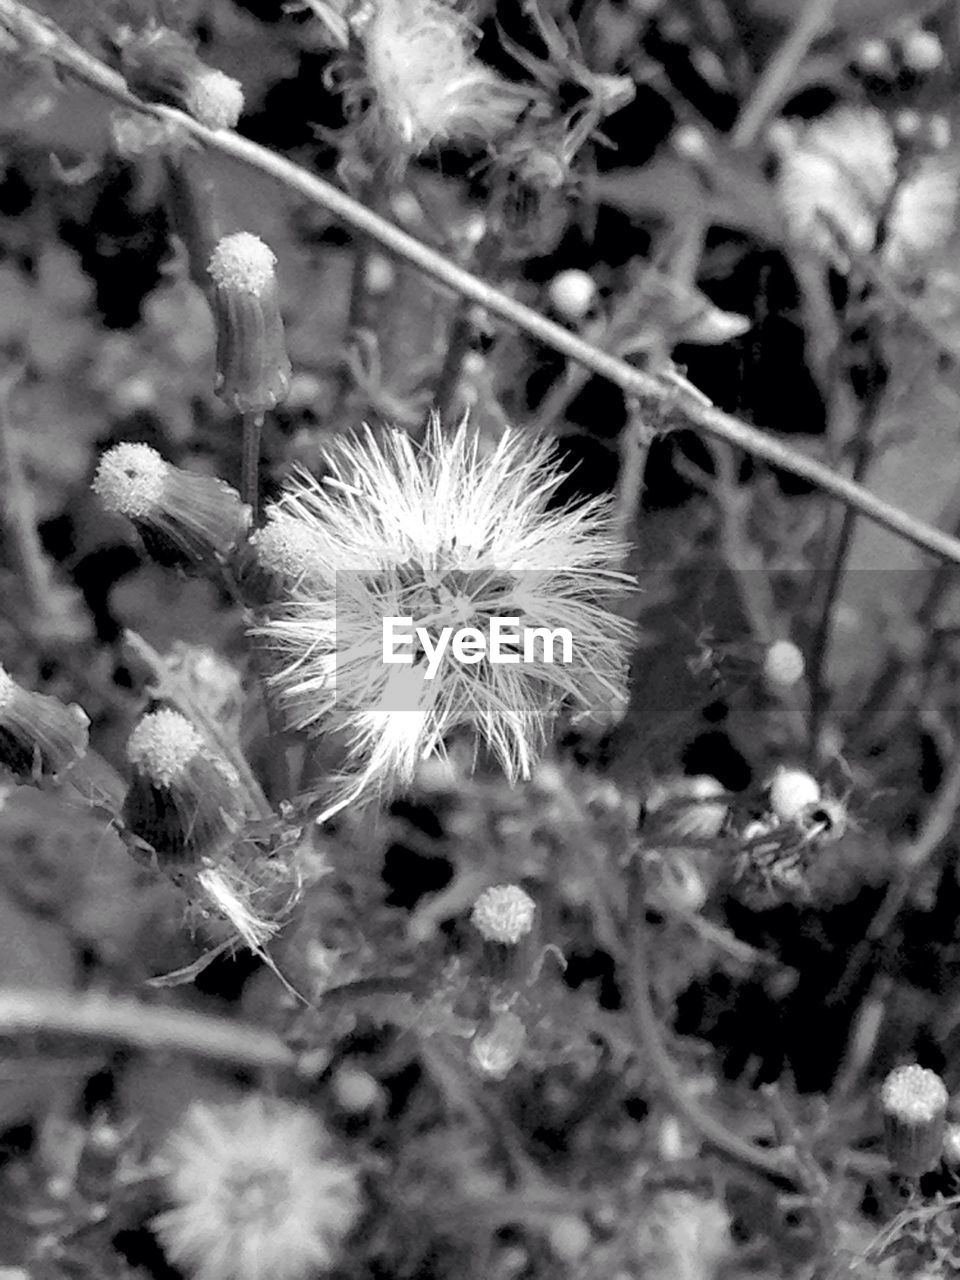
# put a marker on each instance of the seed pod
(183, 800)
(40, 736)
(504, 913)
(162, 66)
(183, 518)
(253, 368)
(914, 1103)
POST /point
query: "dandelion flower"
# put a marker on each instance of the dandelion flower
(914, 1105)
(450, 540)
(428, 84)
(258, 1193)
(839, 177)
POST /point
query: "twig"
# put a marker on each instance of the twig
(144, 1026)
(250, 462)
(40, 35)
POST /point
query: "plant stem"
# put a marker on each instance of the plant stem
(144, 1026)
(250, 462)
(39, 35)
(19, 517)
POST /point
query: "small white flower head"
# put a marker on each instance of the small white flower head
(161, 66)
(921, 50)
(258, 1193)
(253, 368)
(287, 550)
(572, 293)
(40, 736)
(495, 1050)
(783, 664)
(791, 792)
(914, 1101)
(182, 518)
(428, 84)
(183, 800)
(688, 808)
(454, 539)
(837, 177)
(504, 913)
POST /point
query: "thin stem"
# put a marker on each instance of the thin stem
(40, 35)
(143, 1026)
(19, 516)
(250, 462)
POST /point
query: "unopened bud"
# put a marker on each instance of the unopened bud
(40, 736)
(183, 518)
(253, 368)
(914, 1103)
(792, 791)
(162, 66)
(572, 293)
(183, 800)
(504, 913)
(496, 1050)
(783, 664)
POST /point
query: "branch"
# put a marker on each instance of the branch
(143, 1026)
(667, 388)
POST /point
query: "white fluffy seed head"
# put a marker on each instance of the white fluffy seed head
(8, 688)
(914, 1095)
(162, 746)
(792, 791)
(130, 479)
(572, 293)
(783, 664)
(242, 263)
(216, 100)
(504, 913)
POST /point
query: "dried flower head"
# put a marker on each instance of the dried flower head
(183, 800)
(914, 1104)
(253, 368)
(451, 540)
(183, 518)
(839, 178)
(162, 66)
(504, 913)
(259, 1193)
(428, 84)
(40, 736)
(495, 1049)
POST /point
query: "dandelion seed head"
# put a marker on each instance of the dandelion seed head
(162, 746)
(429, 84)
(258, 1193)
(130, 479)
(216, 100)
(450, 537)
(242, 263)
(504, 913)
(913, 1094)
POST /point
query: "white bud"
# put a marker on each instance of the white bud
(355, 1090)
(406, 207)
(243, 263)
(569, 1236)
(504, 913)
(572, 293)
(922, 50)
(130, 479)
(162, 746)
(792, 791)
(783, 664)
(216, 100)
(379, 275)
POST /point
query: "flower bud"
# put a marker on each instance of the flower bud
(914, 1103)
(504, 913)
(183, 518)
(40, 736)
(572, 293)
(791, 792)
(783, 664)
(161, 66)
(496, 1050)
(253, 368)
(183, 800)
